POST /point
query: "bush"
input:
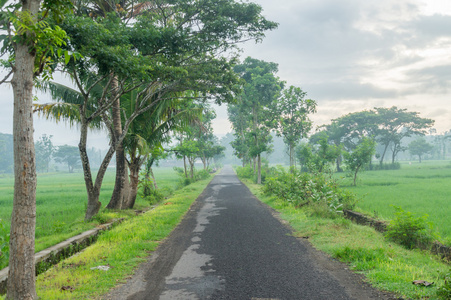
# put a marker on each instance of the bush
(301, 189)
(245, 172)
(154, 196)
(410, 231)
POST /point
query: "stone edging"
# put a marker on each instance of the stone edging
(436, 248)
(51, 256)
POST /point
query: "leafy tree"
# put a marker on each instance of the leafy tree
(318, 153)
(292, 122)
(32, 43)
(261, 88)
(68, 155)
(420, 147)
(176, 46)
(44, 150)
(395, 124)
(360, 156)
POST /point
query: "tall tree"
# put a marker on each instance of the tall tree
(31, 42)
(292, 122)
(177, 46)
(261, 88)
(395, 124)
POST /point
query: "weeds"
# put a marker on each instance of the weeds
(4, 245)
(410, 231)
(444, 291)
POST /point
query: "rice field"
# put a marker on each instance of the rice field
(421, 188)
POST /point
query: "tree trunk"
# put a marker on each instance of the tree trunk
(383, 155)
(21, 277)
(133, 186)
(93, 189)
(126, 190)
(184, 165)
(259, 163)
(118, 192)
(153, 178)
(355, 176)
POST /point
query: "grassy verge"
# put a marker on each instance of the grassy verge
(122, 249)
(61, 205)
(386, 266)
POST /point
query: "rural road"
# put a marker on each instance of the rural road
(231, 246)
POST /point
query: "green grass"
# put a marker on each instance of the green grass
(122, 248)
(419, 188)
(386, 265)
(61, 204)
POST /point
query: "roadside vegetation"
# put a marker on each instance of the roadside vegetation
(121, 249)
(386, 263)
(61, 199)
(420, 188)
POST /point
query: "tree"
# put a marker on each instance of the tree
(420, 147)
(260, 89)
(44, 150)
(32, 43)
(292, 122)
(177, 46)
(360, 156)
(6, 149)
(394, 124)
(68, 155)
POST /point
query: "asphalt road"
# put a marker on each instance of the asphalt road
(231, 246)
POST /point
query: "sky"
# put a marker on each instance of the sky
(348, 55)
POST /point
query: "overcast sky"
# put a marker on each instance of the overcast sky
(348, 55)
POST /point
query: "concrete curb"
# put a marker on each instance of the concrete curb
(51, 256)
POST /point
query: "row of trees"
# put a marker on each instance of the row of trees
(127, 59)
(263, 106)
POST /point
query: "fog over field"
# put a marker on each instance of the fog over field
(347, 55)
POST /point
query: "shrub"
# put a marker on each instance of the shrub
(410, 231)
(301, 189)
(154, 196)
(245, 172)
(201, 174)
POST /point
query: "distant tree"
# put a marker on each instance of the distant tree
(291, 119)
(318, 153)
(44, 150)
(6, 150)
(68, 155)
(420, 147)
(261, 88)
(360, 156)
(395, 124)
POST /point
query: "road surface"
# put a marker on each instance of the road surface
(231, 246)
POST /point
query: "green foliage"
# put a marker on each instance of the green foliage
(444, 291)
(376, 167)
(420, 147)
(300, 188)
(4, 244)
(360, 156)
(410, 231)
